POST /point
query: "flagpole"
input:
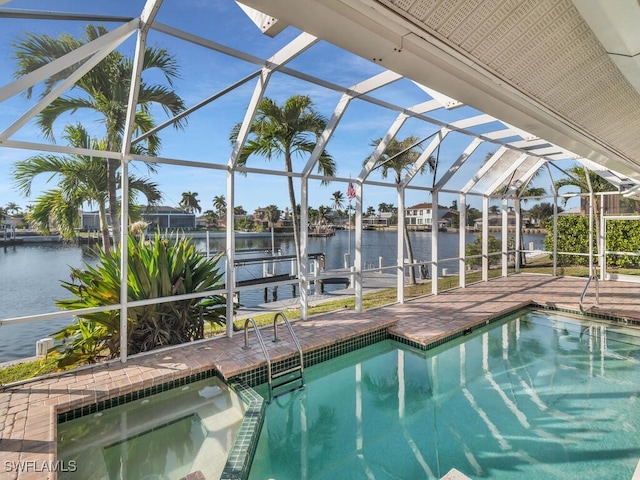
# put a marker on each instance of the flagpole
(351, 194)
(349, 230)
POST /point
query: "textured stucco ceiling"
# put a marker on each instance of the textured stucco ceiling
(536, 64)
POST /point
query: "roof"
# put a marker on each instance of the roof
(561, 71)
(424, 205)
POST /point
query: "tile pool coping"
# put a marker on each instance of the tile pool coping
(241, 455)
(29, 410)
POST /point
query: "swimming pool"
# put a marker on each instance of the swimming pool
(538, 395)
(187, 430)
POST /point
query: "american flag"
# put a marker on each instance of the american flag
(351, 192)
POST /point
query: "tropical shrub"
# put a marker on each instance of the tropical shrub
(243, 224)
(157, 268)
(623, 236)
(573, 236)
(475, 248)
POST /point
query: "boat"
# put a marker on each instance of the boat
(322, 232)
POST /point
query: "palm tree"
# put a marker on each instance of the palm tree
(105, 90)
(385, 207)
(323, 214)
(81, 180)
(312, 215)
(272, 215)
(12, 208)
(289, 130)
(190, 202)
(578, 178)
(220, 205)
(399, 157)
(338, 200)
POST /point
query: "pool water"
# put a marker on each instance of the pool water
(166, 436)
(537, 396)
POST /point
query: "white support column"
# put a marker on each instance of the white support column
(505, 236)
(400, 250)
(124, 260)
(555, 234)
(591, 212)
(230, 251)
(148, 14)
(358, 247)
(243, 133)
(602, 240)
(462, 240)
(485, 238)
(303, 268)
(518, 239)
(372, 83)
(591, 224)
(434, 242)
(555, 221)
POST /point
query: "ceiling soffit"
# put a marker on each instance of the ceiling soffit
(534, 64)
(544, 49)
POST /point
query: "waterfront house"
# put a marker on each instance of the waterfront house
(420, 216)
(162, 217)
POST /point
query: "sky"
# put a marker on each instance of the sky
(206, 137)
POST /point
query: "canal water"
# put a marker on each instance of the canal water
(30, 274)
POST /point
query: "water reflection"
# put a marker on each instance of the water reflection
(540, 396)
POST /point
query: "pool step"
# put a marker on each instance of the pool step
(288, 371)
(287, 378)
(296, 371)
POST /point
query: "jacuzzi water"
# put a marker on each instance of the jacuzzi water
(169, 435)
(538, 396)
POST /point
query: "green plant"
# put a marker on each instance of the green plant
(475, 248)
(623, 236)
(243, 224)
(573, 236)
(158, 268)
(25, 370)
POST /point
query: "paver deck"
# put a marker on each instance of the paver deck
(28, 411)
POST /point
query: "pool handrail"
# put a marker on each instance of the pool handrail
(293, 336)
(593, 276)
(251, 321)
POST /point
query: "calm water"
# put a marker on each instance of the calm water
(540, 397)
(31, 274)
(149, 438)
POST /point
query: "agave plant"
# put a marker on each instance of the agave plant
(157, 268)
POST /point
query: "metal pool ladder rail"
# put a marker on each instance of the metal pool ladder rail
(593, 276)
(291, 376)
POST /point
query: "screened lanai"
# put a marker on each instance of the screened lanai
(499, 96)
